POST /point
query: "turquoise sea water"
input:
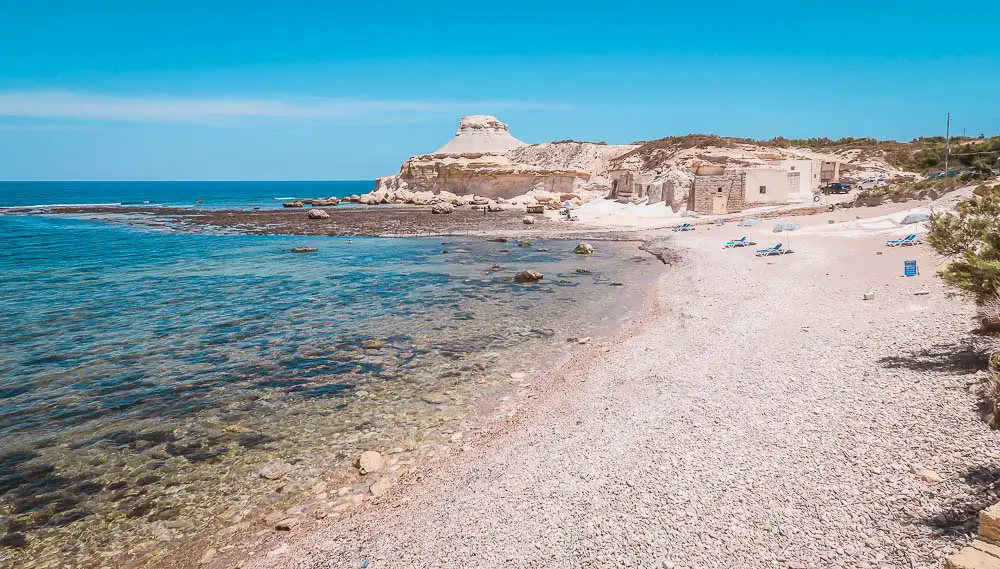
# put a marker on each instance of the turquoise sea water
(145, 374)
(210, 194)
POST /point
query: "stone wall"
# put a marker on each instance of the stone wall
(705, 188)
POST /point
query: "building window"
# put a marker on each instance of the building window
(793, 168)
(763, 189)
(720, 189)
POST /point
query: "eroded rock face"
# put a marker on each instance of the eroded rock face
(481, 160)
(481, 134)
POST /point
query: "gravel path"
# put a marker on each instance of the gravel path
(770, 418)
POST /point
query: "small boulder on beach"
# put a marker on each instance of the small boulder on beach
(443, 208)
(318, 214)
(528, 276)
(370, 461)
(528, 220)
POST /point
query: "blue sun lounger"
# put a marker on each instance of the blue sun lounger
(685, 227)
(776, 250)
(910, 239)
(741, 242)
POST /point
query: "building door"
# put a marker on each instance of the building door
(719, 204)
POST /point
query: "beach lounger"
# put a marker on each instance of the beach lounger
(776, 250)
(685, 227)
(910, 239)
(741, 242)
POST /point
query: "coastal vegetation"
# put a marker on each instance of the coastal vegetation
(971, 239)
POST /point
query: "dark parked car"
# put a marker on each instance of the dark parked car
(837, 188)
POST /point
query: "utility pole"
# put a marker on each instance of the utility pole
(947, 145)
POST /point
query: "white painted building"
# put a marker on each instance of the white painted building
(772, 185)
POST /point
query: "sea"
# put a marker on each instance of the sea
(147, 375)
(239, 194)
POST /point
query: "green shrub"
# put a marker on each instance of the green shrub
(972, 240)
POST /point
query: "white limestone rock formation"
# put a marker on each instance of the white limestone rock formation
(485, 160)
(481, 134)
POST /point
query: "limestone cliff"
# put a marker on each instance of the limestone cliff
(484, 159)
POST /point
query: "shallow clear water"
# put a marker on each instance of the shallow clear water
(145, 375)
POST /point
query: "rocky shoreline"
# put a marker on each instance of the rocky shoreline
(373, 221)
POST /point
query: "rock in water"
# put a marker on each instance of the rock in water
(528, 220)
(435, 398)
(293, 204)
(442, 208)
(528, 276)
(274, 470)
(318, 214)
(584, 248)
(370, 461)
(304, 249)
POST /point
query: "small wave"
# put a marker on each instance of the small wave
(283, 198)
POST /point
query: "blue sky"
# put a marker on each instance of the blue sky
(327, 90)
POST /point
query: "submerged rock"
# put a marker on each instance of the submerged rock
(583, 248)
(373, 344)
(528, 276)
(274, 470)
(435, 398)
(304, 249)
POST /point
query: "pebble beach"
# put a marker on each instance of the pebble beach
(761, 414)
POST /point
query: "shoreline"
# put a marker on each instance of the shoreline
(664, 431)
(551, 380)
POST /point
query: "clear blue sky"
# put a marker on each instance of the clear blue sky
(347, 90)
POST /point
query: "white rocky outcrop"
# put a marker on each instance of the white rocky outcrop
(485, 160)
(481, 134)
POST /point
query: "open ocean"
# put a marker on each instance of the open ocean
(211, 194)
(147, 374)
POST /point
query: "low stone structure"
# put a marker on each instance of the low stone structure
(983, 552)
(718, 193)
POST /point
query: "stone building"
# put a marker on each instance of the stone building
(630, 186)
(718, 193)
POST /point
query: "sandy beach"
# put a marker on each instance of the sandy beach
(761, 415)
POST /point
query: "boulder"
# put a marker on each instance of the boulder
(524, 244)
(381, 486)
(584, 248)
(528, 276)
(494, 206)
(536, 209)
(528, 220)
(325, 202)
(293, 204)
(318, 214)
(370, 461)
(442, 208)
